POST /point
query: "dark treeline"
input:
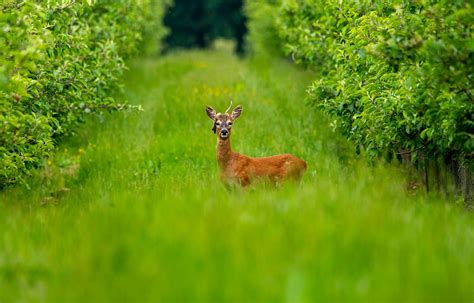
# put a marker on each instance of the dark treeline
(197, 23)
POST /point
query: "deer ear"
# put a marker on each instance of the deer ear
(211, 113)
(236, 112)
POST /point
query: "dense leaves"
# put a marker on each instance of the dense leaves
(60, 61)
(394, 74)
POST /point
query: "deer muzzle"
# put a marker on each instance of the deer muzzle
(224, 133)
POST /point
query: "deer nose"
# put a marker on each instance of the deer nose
(224, 132)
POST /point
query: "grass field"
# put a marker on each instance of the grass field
(132, 209)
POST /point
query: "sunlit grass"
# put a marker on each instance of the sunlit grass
(132, 208)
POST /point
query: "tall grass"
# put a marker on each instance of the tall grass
(132, 208)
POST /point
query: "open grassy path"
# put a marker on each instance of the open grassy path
(132, 209)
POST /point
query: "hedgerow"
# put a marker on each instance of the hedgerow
(60, 62)
(396, 75)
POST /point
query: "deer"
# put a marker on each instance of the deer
(243, 170)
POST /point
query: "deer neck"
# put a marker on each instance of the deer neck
(224, 152)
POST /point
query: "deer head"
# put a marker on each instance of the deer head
(223, 122)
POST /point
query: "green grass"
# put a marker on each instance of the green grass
(132, 208)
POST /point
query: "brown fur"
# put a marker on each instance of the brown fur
(243, 170)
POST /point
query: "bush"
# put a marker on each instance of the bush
(395, 75)
(60, 62)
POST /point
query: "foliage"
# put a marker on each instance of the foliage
(394, 75)
(197, 23)
(60, 61)
(146, 218)
(263, 38)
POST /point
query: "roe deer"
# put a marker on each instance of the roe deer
(241, 169)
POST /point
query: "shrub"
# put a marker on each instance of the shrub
(60, 62)
(395, 75)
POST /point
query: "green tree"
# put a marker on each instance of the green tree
(60, 62)
(196, 23)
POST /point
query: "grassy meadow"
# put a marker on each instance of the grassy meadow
(132, 208)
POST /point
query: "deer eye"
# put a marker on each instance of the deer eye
(218, 123)
(230, 123)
